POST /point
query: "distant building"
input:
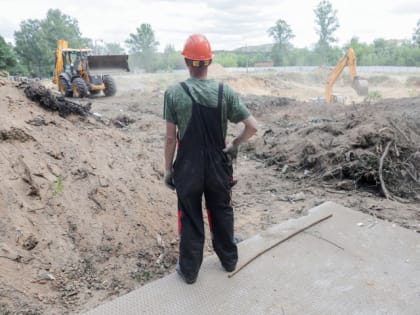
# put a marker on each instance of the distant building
(264, 64)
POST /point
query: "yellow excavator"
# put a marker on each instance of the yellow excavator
(359, 84)
(74, 71)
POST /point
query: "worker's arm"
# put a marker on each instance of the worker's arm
(250, 128)
(247, 132)
(170, 145)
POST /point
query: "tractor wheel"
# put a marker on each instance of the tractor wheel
(79, 87)
(110, 87)
(65, 87)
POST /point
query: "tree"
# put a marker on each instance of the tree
(27, 46)
(385, 51)
(365, 54)
(327, 23)
(226, 59)
(416, 34)
(282, 34)
(172, 58)
(143, 46)
(113, 49)
(37, 39)
(7, 57)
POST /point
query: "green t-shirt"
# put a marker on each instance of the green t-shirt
(178, 105)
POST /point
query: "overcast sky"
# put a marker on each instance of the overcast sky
(228, 24)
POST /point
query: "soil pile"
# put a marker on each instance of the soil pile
(83, 217)
(365, 146)
(217, 70)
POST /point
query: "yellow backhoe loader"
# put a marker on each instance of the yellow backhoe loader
(360, 85)
(74, 70)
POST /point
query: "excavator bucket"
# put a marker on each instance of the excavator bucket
(114, 63)
(361, 86)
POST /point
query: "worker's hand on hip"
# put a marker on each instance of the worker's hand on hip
(232, 151)
(168, 179)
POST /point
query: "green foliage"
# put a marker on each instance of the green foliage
(35, 44)
(106, 48)
(7, 57)
(113, 49)
(373, 97)
(282, 34)
(57, 186)
(143, 40)
(143, 46)
(326, 24)
(416, 34)
(36, 41)
(227, 59)
(172, 59)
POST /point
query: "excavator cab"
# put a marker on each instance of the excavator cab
(73, 74)
(359, 84)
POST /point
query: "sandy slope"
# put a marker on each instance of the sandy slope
(84, 216)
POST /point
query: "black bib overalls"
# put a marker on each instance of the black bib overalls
(201, 167)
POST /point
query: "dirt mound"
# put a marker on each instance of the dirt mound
(270, 103)
(383, 80)
(256, 85)
(82, 216)
(217, 70)
(413, 81)
(355, 147)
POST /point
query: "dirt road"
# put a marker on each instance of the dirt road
(85, 216)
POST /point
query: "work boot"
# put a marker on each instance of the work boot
(229, 268)
(188, 280)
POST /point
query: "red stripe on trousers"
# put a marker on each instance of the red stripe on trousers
(179, 222)
(209, 219)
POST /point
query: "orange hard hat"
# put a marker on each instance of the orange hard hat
(197, 47)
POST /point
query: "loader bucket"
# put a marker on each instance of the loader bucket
(361, 86)
(113, 63)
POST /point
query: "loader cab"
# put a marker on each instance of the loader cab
(74, 63)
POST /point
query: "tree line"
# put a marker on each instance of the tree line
(36, 40)
(381, 52)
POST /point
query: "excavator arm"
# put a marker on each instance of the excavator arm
(349, 60)
(59, 62)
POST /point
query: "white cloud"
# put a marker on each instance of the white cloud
(228, 24)
(407, 7)
(7, 28)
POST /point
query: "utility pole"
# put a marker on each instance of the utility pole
(96, 45)
(246, 54)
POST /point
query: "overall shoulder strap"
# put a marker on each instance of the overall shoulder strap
(187, 90)
(220, 95)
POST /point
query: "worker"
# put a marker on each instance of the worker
(196, 113)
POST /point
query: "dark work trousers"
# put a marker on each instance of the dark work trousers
(202, 168)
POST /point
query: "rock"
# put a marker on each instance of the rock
(43, 275)
(297, 197)
(103, 182)
(346, 185)
(30, 242)
(160, 241)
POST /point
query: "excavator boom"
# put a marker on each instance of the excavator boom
(360, 85)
